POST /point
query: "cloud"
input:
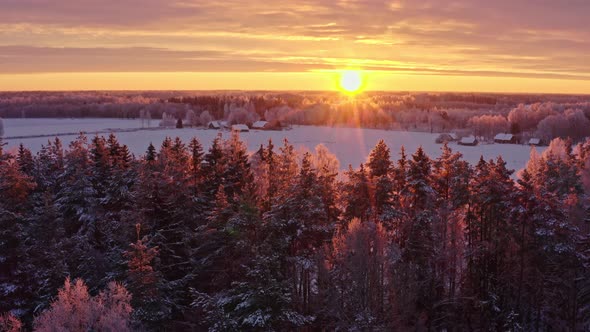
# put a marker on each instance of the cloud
(539, 38)
(27, 59)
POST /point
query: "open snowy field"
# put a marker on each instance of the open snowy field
(34, 127)
(351, 145)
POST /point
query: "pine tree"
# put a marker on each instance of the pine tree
(420, 191)
(25, 160)
(214, 168)
(15, 188)
(15, 185)
(212, 250)
(151, 153)
(196, 166)
(380, 171)
(99, 173)
(78, 203)
(300, 233)
(269, 176)
(549, 265)
(238, 175)
(450, 177)
(260, 171)
(143, 280)
(77, 210)
(327, 167)
(259, 301)
(358, 278)
(46, 253)
(379, 163)
(49, 165)
(115, 152)
(357, 195)
(166, 214)
(416, 239)
(99, 157)
(400, 173)
(286, 171)
(488, 239)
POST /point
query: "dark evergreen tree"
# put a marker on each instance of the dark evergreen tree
(450, 175)
(151, 153)
(143, 282)
(488, 240)
(357, 195)
(385, 209)
(214, 168)
(420, 192)
(15, 187)
(238, 177)
(196, 167)
(25, 160)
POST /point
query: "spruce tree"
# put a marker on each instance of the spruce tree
(15, 188)
(450, 177)
(144, 281)
(357, 195)
(196, 166)
(151, 153)
(488, 239)
(381, 171)
(214, 168)
(25, 160)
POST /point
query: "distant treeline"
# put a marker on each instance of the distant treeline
(543, 116)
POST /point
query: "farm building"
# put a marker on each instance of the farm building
(261, 125)
(442, 138)
(213, 125)
(468, 140)
(240, 128)
(535, 141)
(505, 138)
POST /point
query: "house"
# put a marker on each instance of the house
(505, 138)
(535, 141)
(443, 138)
(224, 124)
(240, 128)
(468, 140)
(213, 125)
(261, 125)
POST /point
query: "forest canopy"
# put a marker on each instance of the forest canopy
(221, 240)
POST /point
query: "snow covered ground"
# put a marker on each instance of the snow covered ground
(351, 145)
(26, 127)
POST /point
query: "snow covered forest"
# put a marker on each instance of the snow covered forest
(183, 238)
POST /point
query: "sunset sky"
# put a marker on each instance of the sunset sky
(479, 45)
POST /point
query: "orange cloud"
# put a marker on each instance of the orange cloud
(504, 39)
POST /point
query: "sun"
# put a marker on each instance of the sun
(351, 81)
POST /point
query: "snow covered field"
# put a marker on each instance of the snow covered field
(34, 127)
(351, 145)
